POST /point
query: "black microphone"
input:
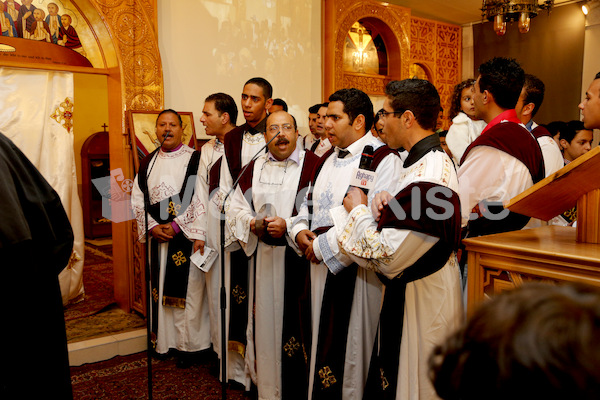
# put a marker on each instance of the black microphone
(366, 158)
(363, 176)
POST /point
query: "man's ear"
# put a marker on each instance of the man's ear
(359, 122)
(487, 97)
(268, 104)
(225, 118)
(563, 144)
(528, 109)
(408, 118)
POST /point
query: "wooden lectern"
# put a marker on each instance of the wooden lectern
(551, 253)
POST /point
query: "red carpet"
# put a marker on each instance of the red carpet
(97, 283)
(126, 378)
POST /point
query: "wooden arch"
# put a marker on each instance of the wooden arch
(393, 23)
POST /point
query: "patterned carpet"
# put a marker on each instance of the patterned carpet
(97, 314)
(126, 378)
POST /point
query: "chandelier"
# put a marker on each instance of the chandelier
(501, 11)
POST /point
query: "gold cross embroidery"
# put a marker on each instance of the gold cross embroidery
(64, 114)
(384, 381)
(155, 295)
(179, 258)
(291, 346)
(327, 378)
(239, 294)
(173, 208)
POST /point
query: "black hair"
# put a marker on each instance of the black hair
(314, 109)
(503, 78)
(266, 87)
(224, 103)
(534, 92)
(169, 110)
(571, 129)
(356, 102)
(280, 102)
(417, 95)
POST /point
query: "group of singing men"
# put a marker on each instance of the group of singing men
(332, 292)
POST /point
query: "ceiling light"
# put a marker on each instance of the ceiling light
(503, 11)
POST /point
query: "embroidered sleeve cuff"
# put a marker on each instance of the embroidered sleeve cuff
(326, 254)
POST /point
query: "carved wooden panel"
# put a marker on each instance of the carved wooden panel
(133, 25)
(438, 47)
(368, 84)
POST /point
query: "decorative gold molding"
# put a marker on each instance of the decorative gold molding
(396, 18)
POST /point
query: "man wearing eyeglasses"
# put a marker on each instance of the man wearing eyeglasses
(241, 144)
(345, 299)
(409, 236)
(259, 216)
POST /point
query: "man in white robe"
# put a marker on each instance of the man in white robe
(273, 183)
(411, 244)
(349, 117)
(241, 144)
(218, 117)
(179, 300)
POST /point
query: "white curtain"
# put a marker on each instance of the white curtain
(36, 113)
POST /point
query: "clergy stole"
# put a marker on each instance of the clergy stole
(179, 249)
(518, 142)
(296, 330)
(383, 369)
(238, 264)
(334, 320)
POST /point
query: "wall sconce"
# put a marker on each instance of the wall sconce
(502, 11)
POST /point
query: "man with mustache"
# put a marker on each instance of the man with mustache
(163, 188)
(259, 221)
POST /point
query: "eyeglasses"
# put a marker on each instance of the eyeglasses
(383, 113)
(287, 128)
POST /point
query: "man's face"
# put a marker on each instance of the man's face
(168, 123)
(27, 2)
(285, 143)
(65, 20)
(312, 122)
(478, 100)
(52, 9)
(581, 144)
(38, 14)
(254, 104)
(590, 106)
(338, 126)
(321, 118)
(392, 133)
(211, 119)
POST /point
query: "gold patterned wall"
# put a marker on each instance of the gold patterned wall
(437, 47)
